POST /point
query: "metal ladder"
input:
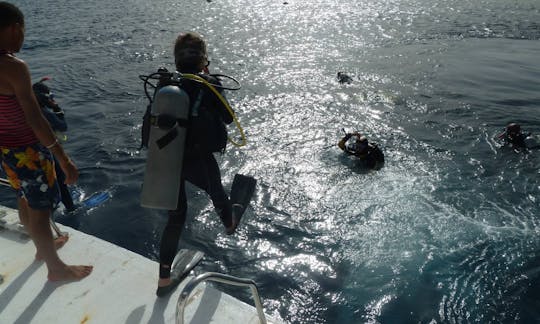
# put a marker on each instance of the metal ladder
(217, 277)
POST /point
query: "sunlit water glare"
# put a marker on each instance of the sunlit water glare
(447, 231)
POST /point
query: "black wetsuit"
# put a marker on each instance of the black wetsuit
(517, 140)
(204, 136)
(373, 158)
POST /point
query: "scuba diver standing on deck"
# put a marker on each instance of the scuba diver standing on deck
(187, 117)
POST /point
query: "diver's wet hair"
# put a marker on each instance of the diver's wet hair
(189, 52)
(513, 128)
(10, 14)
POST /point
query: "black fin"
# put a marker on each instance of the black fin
(242, 189)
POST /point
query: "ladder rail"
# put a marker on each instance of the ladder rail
(222, 278)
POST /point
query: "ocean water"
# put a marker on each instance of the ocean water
(447, 232)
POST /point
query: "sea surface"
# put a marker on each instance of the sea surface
(448, 231)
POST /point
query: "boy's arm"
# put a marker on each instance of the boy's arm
(22, 87)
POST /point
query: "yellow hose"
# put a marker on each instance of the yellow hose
(225, 103)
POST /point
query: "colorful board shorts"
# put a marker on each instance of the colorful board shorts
(30, 171)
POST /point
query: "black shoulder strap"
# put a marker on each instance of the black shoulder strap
(197, 104)
(167, 138)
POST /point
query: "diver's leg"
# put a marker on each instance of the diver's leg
(171, 237)
(207, 176)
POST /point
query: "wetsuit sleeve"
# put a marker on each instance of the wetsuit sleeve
(341, 144)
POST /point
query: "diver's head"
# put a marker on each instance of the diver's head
(43, 93)
(11, 27)
(362, 143)
(513, 129)
(358, 143)
(190, 55)
(41, 88)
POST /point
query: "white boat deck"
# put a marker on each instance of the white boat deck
(121, 288)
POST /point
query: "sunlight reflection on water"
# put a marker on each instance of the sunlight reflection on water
(447, 225)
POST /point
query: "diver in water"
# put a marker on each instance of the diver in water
(514, 136)
(342, 77)
(50, 109)
(358, 145)
(55, 116)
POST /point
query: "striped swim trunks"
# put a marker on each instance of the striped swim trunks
(30, 171)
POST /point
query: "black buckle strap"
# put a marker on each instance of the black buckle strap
(166, 122)
(170, 123)
(167, 138)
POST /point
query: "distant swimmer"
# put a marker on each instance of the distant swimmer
(344, 78)
(358, 145)
(513, 136)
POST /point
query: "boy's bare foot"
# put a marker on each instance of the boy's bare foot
(70, 273)
(58, 243)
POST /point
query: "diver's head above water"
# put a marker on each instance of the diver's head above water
(43, 94)
(514, 135)
(358, 143)
(190, 55)
(513, 129)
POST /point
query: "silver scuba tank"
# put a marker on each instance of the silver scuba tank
(170, 114)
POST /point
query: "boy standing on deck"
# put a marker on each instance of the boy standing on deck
(27, 147)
